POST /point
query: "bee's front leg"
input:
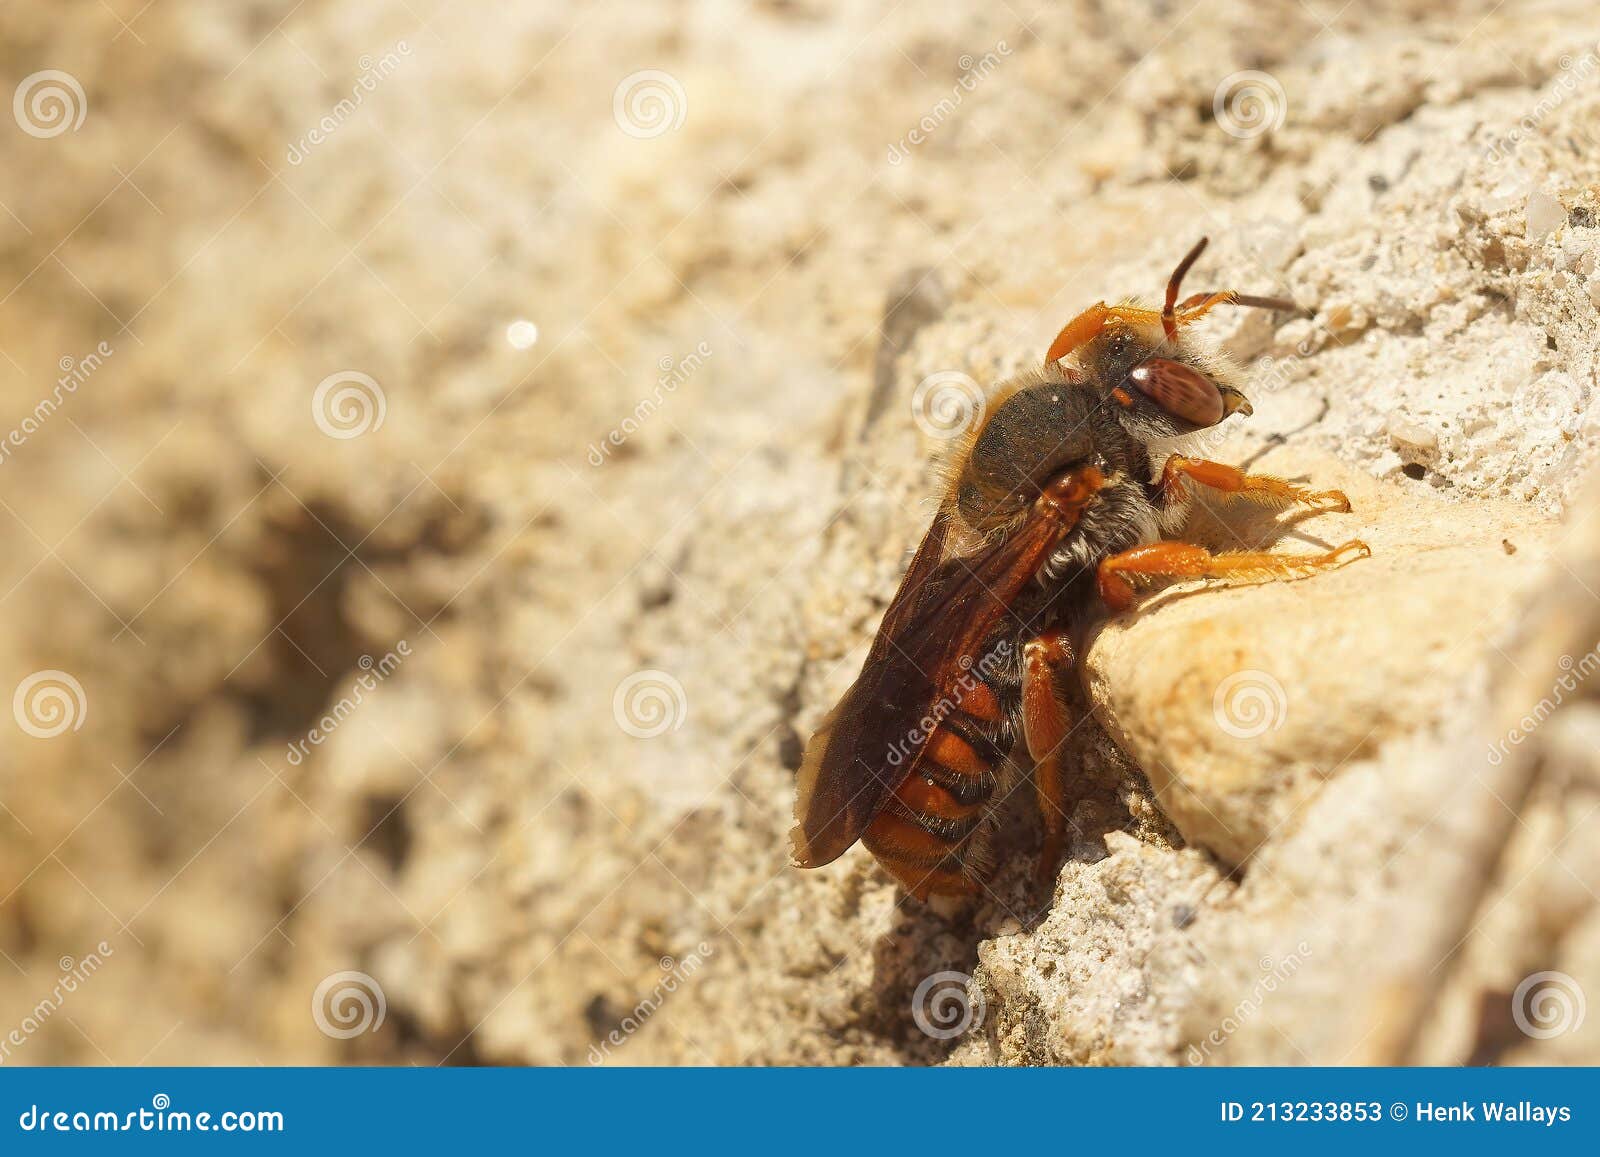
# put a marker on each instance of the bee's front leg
(1179, 472)
(1046, 722)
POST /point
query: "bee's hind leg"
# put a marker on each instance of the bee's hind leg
(1046, 722)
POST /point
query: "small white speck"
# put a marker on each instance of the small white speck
(1055, 397)
(522, 334)
(1544, 216)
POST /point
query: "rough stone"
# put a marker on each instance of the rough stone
(1240, 702)
(509, 849)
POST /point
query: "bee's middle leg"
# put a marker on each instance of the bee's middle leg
(1046, 722)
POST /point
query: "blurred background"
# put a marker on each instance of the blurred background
(442, 484)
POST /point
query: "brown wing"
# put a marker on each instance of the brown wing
(943, 611)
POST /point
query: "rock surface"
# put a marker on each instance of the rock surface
(634, 561)
(1240, 703)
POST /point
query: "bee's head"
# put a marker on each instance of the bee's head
(1160, 388)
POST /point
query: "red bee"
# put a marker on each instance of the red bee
(1059, 502)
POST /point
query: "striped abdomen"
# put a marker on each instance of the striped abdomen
(925, 830)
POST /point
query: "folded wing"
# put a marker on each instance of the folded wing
(944, 611)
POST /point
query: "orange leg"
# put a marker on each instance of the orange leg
(1260, 488)
(1183, 560)
(1088, 324)
(1045, 724)
(1195, 307)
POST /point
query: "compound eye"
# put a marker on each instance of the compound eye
(1178, 389)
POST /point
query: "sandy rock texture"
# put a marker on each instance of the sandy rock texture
(1196, 688)
(516, 419)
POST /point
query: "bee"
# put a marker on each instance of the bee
(1059, 503)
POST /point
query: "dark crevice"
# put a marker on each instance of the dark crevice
(305, 569)
(1496, 1030)
(305, 560)
(386, 830)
